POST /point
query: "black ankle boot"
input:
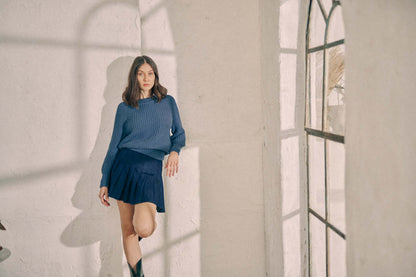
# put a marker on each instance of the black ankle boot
(139, 269)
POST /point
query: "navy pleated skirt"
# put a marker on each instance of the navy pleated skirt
(136, 178)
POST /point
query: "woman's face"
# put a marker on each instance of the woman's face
(146, 77)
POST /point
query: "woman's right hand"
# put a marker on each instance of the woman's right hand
(103, 195)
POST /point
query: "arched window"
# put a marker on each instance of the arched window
(324, 126)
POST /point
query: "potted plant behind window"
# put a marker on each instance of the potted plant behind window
(335, 120)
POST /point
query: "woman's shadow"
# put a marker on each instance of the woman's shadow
(97, 223)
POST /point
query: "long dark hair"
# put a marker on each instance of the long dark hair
(131, 94)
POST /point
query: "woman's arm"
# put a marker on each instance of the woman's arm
(177, 141)
(178, 133)
(172, 164)
(113, 147)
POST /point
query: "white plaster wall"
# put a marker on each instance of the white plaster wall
(64, 66)
(380, 138)
(271, 146)
(218, 54)
(61, 69)
(283, 50)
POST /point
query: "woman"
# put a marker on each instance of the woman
(147, 127)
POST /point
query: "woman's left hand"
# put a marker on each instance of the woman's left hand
(172, 164)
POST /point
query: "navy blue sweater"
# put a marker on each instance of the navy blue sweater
(155, 129)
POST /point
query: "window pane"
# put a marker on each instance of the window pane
(336, 26)
(316, 175)
(334, 99)
(315, 87)
(316, 26)
(336, 184)
(337, 255)
(318, 247)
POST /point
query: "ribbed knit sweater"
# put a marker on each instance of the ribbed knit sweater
(155, 129)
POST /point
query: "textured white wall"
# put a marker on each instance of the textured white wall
(218, 55)
(64, 65)
(381, 138)
(283, 40)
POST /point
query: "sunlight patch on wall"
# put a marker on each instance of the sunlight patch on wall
(287, 91)
(290, 153)
(288, 24)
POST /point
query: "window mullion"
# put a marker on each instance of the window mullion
(326, 207)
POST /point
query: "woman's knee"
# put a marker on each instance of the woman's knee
(144, 229)
(128, 230)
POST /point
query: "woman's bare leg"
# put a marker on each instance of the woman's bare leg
(144, 220)
(130, 240)
(136, 220)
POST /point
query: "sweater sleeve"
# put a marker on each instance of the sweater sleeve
(113, 147)
(177, 138)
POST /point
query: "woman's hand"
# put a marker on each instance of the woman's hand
(172, 164)
(103, 195)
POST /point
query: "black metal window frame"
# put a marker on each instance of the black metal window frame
(326, 136)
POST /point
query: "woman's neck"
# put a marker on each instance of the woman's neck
(145, 94)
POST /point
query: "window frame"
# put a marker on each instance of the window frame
(325, 135)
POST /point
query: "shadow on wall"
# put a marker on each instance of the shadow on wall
(97, 223)
(178, 248)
